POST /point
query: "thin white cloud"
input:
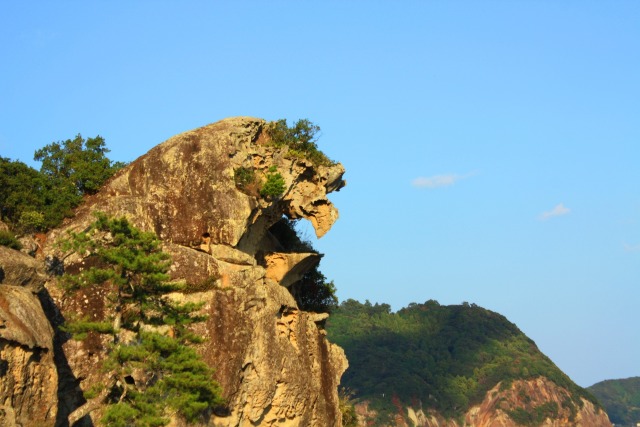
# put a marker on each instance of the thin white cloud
(437, 181)
(631, 248)
(558, 210)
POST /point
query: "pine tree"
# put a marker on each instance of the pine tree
(169, 374)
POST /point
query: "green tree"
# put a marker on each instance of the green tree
(22, 189)
(446, 357)
(314, 293)
(32, 200)
(274, 186)
(79, 163)
(131, 265)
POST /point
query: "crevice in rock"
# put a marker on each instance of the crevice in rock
(70, 395)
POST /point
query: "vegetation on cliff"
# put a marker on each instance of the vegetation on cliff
(149, 363)
(300, 142)
(300, 139)
(442, 358)
(8, 239)
(32, 200)
(620, 398)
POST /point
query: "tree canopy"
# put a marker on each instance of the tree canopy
(445, 357)
(32, 200)
(77, 162)
(620, 398)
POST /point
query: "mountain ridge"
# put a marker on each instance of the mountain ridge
(459, 364)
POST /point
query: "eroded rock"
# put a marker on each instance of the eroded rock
(494, 411)
(288, 268)
(273, 361)
(19, 269)
(28, 376)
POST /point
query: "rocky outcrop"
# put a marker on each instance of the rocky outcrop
(538, 400)
(287, 269)
(28, 377)
(19, 269)
(184, 189)
(273, 361)
(535, 396)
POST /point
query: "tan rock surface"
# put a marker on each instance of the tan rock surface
(273, 361)
(493, 411)
(28, 377)
(19, 269)
(287, 269)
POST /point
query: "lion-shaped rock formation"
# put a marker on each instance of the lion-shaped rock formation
(272, 359)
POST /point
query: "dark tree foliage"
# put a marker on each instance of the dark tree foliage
(314, 293)
(32, 200)
(285, 231)
(131, 264)
(22, 189)
(446, 357)
(620, 398)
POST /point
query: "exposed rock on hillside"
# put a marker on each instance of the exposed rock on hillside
(537, 402)
(460, 364)
(19, 269)
(28, 377)
(273, 361)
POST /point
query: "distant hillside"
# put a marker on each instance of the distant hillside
(444, 359)
(621, 399)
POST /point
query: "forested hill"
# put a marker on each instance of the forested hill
(621, 399)
(442, 358)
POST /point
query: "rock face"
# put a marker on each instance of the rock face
(532, 396)
(19, 269)
(273, 361)
(28, 376)
(184, 189)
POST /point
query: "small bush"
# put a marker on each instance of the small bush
(347, 408)
(9, 240)
(274, 186)
(31, 221)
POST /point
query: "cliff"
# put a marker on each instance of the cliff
(28, 375)
(200, 193)
(273, 361)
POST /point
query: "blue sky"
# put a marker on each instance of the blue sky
(491, 147)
